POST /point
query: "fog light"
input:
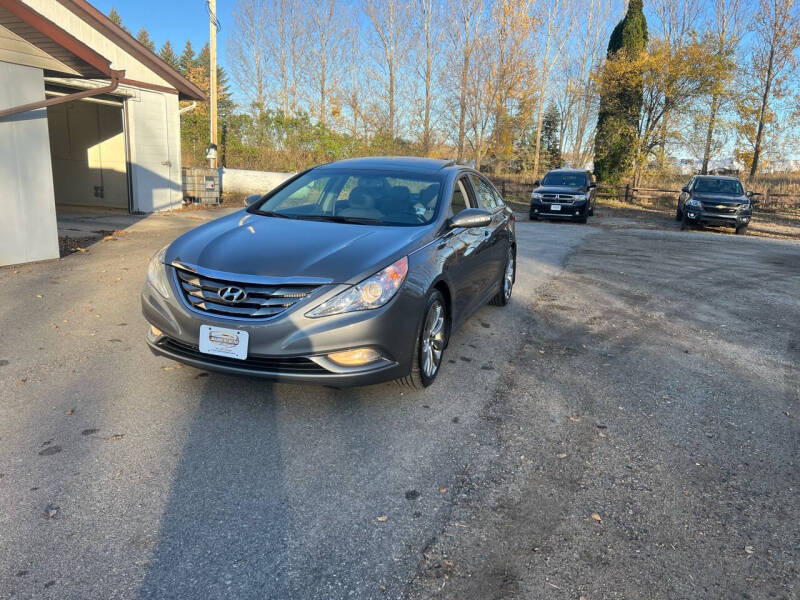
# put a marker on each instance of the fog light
(354, 358)
(155, 331)
(691, 215)
(577, 212)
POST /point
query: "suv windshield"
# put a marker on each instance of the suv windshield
(572, 180)
(345, 196)
(729, 187)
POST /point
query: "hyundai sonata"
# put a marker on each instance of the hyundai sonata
(349, 273)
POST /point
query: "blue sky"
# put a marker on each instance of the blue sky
(173, 20)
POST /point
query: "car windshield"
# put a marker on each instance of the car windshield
(374, 198)
(565, 179)
(729, 187)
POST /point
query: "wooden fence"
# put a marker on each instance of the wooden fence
(519, 191)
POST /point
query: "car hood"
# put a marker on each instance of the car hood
(555, 189)
(720, 199)
(257, 245)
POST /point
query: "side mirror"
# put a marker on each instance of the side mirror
(537, 183)
(252, 199)
(685, 189)
(471, 217)
(592, 185)
(749, 193)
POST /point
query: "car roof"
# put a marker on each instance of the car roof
(717, 177)
(566, 170)
(413, 164)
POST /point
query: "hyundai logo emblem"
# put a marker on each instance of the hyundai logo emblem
(232, 294)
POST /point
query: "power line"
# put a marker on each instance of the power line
(213, 16)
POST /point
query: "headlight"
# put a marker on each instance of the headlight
(694, 203)
(157, 273)
(373, 292)
(536, 196)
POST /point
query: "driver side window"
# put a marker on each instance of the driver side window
(459, 200)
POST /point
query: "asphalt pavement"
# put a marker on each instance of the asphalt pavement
(123, 475)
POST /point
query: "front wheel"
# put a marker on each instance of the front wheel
(684, 222)
(430, 343)
(741, 230)
(679, 215)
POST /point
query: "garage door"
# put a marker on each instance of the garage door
(87, 147)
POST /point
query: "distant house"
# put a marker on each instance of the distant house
(88, 116)
(724, 166)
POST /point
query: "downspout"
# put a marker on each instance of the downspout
(186, 109)
(115, 77)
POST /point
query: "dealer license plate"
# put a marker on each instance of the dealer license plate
(223, 342)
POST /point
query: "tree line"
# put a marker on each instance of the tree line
(514, 86)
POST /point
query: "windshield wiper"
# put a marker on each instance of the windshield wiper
(269, 213)
(340, 219)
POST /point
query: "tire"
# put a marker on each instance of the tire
(679, 215)
(591, 211)
(741, 230)
(533, 217)
(684, 222)
(424, 373)
(583, 219)
(508, 276)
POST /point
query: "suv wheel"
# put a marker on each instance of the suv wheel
(679, 215)
(684, 222)
(430, 343)
(741, 230)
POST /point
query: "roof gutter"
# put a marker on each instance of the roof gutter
(186, 109)
(115, 77)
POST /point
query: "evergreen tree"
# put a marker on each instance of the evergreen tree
(621, 96)
(113, 15)
(551, 142)
(144, 39)
(186, 59)
(168, 55)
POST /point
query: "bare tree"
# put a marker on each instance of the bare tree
(283, 42)
(723, 34)
(247, 47)
(325, 35)
(465, 37)
(582, 84)
(427, 25)
(777, 31)
(390, 21)
(558, 17)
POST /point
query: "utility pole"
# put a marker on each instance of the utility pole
(213, 24)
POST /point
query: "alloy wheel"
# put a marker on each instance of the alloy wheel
(433, 339)
(508, 278)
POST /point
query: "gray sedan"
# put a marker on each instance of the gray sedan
(350, 273)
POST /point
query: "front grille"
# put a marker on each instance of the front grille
(727, 209)
(260, 301)
(272, 364)
(557, 198)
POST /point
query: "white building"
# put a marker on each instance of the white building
(88, 116)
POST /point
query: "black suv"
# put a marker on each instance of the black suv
(715, 200)
(564, 194)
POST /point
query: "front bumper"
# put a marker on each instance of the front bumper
(703, 216)
(574, 210)
(292, 347)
